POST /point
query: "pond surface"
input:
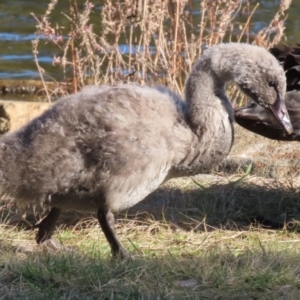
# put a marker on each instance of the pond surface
(17, 29)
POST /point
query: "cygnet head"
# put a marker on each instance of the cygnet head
(255, 71)
(263, 79)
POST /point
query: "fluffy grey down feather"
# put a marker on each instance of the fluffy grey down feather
(106, 148)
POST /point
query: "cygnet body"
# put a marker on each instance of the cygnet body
(105, 149)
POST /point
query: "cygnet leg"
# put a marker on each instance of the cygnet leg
(107, 223)
(46, 226)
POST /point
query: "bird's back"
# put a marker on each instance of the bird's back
(114, 142)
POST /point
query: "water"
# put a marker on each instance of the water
(17, 29)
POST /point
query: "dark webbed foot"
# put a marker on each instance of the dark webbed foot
(107, 223)
(46, 226)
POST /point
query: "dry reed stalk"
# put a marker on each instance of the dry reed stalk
(74, 13)
(272, 35)
(161, 39)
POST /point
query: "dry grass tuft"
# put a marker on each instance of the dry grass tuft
(149, 41)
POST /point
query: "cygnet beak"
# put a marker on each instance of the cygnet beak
(280, 112)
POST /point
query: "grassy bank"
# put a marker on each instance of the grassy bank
(183, 265)
(193, 241)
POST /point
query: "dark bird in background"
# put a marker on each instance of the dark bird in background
(260, 121)
(289, 58)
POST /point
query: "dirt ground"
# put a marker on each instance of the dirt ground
(270, 159)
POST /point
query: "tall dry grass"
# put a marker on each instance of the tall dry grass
(162, 38)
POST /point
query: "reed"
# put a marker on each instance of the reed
(146, 41)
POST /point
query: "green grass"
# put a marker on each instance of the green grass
(192, 242)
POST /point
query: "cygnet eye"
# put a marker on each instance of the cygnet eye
(272, 84)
